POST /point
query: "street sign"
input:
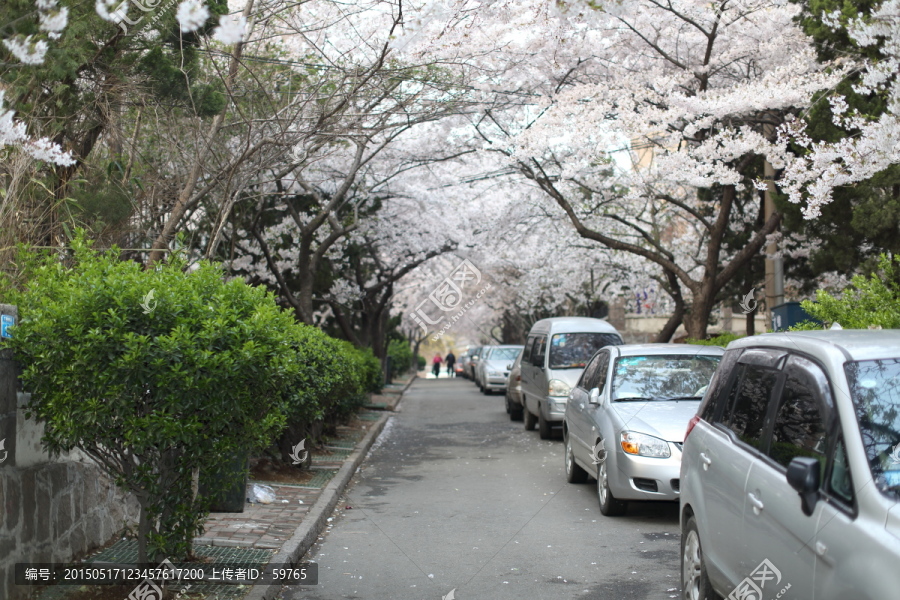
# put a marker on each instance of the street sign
(6, 321)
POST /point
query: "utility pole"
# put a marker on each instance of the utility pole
(774, 267)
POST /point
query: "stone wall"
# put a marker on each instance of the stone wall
(51, 510)
(56, 512)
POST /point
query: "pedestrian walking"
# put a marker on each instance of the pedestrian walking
(451, 361)
(436, 365)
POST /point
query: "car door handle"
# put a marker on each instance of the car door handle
(756, 502)
(706, 461)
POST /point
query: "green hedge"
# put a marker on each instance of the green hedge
(401, 357)
(160, 373)
(872, 301)
(720, 340)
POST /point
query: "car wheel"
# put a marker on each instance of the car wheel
(530, 421)
(508, 405)
(609, 506)
(574, 473)
(515, 414)
(694, 580)
(544, 430)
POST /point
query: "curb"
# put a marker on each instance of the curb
(316, 520)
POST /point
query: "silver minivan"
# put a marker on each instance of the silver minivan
(555, 354)
(790, 472)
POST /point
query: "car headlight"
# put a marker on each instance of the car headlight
(493, 373)
(559, 388)
(642, 444)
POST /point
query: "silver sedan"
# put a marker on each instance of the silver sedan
(626, 418)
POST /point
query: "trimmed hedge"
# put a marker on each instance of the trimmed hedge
(160, 374)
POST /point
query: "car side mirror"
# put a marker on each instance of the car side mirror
(509, 367)
(803, 476)
(594, 396)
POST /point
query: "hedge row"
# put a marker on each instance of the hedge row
(162, 374)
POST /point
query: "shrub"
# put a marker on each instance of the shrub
(722, 339)
(158, 374)
(871, 301)
(332, 384)
(401, 357)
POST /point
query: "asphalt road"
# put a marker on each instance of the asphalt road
(455, 496)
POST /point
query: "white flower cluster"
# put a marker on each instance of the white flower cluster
(875, 145)
(232, 29)
(13, 134)
(113, 11)
(191, 15)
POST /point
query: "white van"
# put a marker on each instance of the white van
(554, 357)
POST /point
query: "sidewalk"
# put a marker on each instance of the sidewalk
(282, 532)
(291, 528)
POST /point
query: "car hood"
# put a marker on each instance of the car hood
(666, 419)
(498, 364)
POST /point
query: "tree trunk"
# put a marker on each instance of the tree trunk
(671, 325)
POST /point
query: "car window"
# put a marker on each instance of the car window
(717, 385)
(529, 344)
(800, 425)
(537, 353)
(748, 400)
(662, 376)
(573, 350)
(840, 483)
(508, 354)
(595, 370)
(875, 390)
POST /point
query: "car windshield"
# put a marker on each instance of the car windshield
(662, 377)
(573, 350)
(508, 354)
(875, 389)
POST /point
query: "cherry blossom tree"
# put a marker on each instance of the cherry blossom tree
(694, 91)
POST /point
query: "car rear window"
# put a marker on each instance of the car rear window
(573, 350)
(875, 389)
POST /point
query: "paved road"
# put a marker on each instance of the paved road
(456, 496)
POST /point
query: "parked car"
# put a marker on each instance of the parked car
(513, 396)
(458, 369)
(476, 370)
(555, 354)
(626, 418)
(493, 368)
(469, 367)
(791, 470)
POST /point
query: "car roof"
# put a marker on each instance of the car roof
(651, 349)
(853, 344)
(572, 325)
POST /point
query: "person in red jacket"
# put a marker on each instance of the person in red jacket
(436, 365)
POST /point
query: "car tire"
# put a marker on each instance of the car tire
(515, 414)
(508, 405)
(544, 430)
(609, 505)
(529, 419)
(694, 580)
(574, 473)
